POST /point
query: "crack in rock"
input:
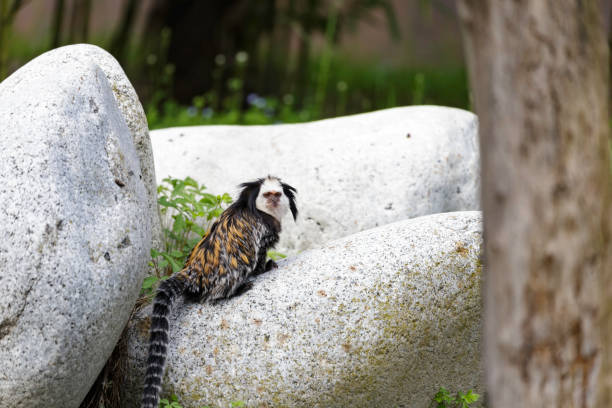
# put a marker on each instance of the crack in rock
(7, 324)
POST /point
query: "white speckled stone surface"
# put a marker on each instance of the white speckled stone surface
(381, 318)
(352, 173)
(132, 112)
(74, 243)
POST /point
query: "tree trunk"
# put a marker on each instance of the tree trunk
(539, 74)
(200, 30)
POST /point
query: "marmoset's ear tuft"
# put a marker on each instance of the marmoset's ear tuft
(290, 193)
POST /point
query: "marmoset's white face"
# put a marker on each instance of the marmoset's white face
(271, 199)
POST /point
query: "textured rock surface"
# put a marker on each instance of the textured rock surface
(75, 223)
(381, 318)
(132, 112)
(352, 173)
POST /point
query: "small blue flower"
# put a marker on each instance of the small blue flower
(255, 100)
(252, 98)
(207, 113)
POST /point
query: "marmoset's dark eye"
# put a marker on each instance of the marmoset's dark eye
(272, 194)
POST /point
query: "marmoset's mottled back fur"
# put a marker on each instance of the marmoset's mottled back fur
(220, 264)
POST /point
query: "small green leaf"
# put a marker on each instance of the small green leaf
(176, 253)
(173, 262)
(226, 198)
(179, 223)
(442, 397)
(198, 230)
(163, 201)
(471, 396)
(208, 200)
(149, 282)
(197, 208)
(275, 256)
(174, 236)
(191, 182)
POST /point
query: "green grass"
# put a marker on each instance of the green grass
(350, 87)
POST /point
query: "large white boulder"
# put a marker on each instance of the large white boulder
(76, 222)
(352, 173)
(381, 318)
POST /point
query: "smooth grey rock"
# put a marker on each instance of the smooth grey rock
(352, 173)
(381, 318)
(75, 222)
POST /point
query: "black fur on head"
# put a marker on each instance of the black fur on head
(250, 191)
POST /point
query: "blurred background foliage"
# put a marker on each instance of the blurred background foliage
(256, 61)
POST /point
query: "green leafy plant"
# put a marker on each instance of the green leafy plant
(187, 211)
(443, 399)
(172, 403)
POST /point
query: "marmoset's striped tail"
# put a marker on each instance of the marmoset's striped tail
(169, 290)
